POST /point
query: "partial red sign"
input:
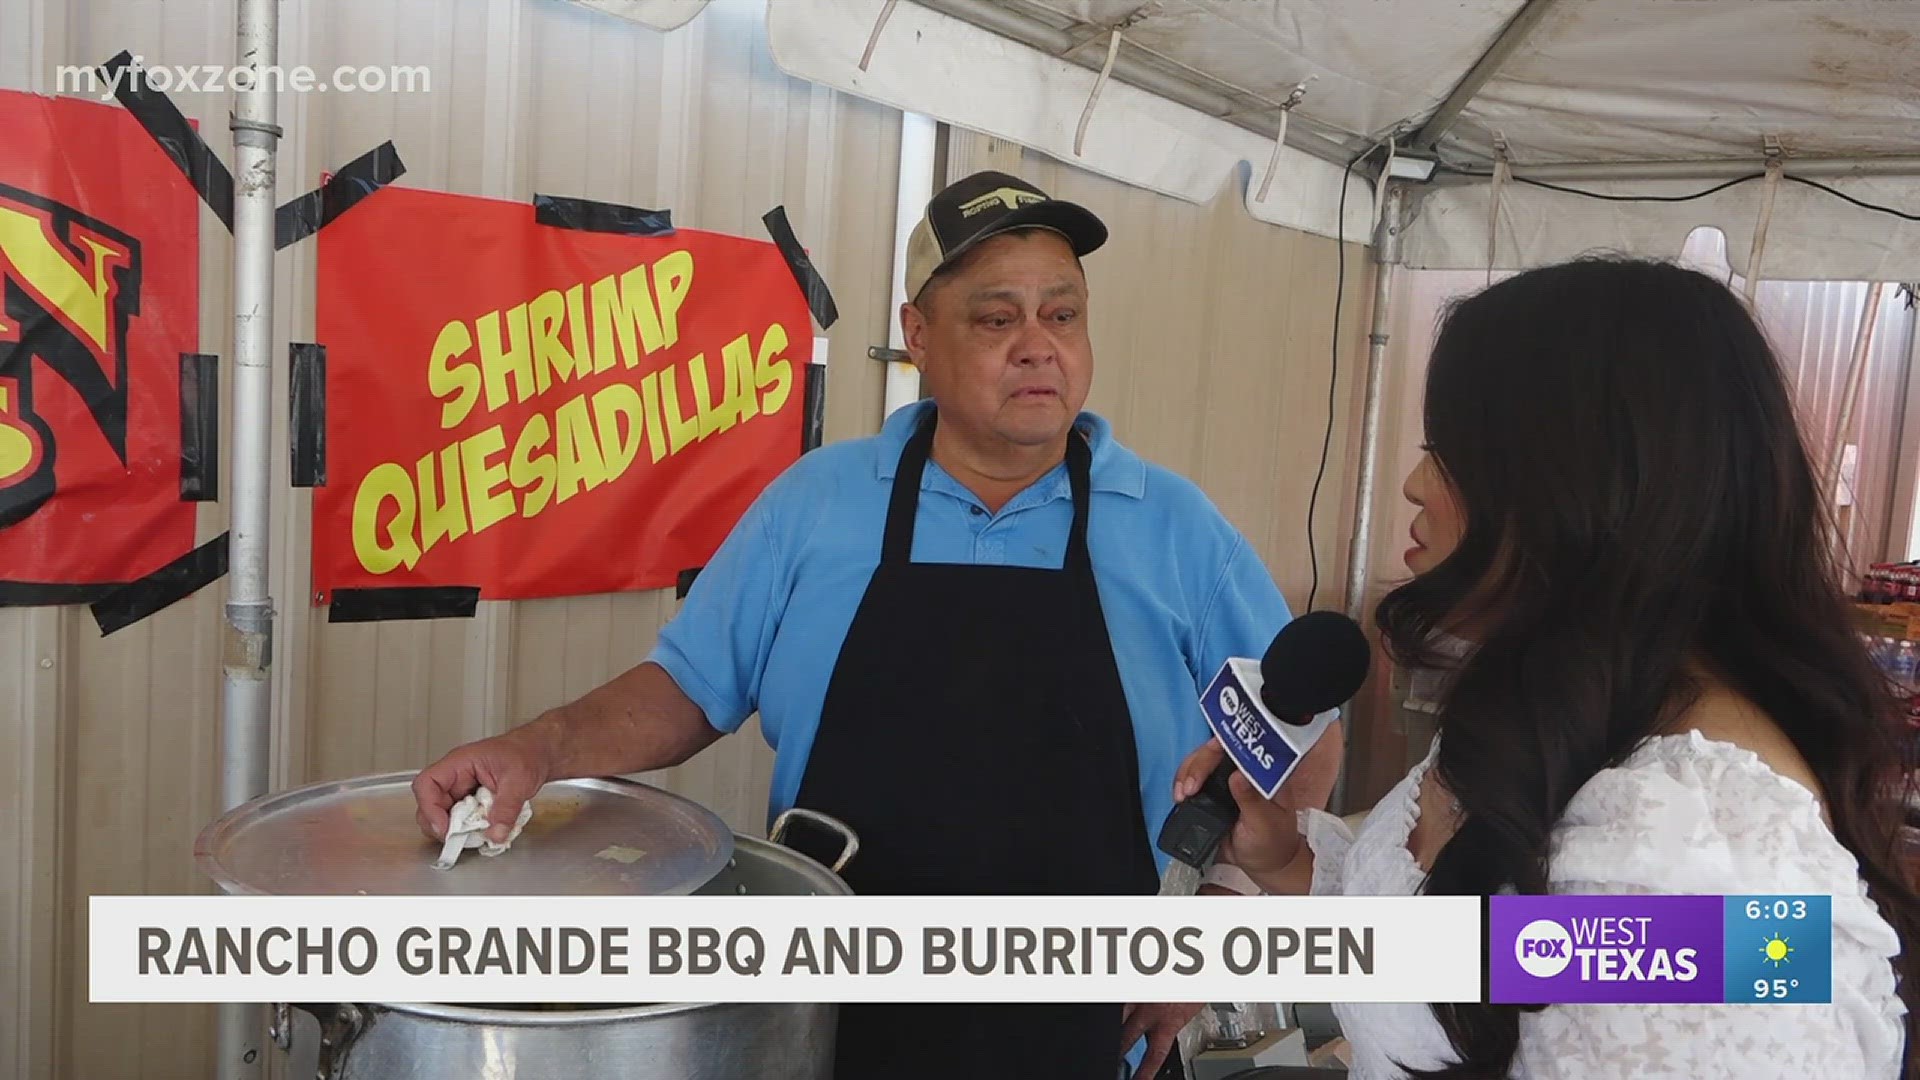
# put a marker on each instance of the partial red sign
(99, 297)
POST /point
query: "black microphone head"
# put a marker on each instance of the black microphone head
(1315, 663)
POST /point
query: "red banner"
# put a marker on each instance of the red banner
(99, 296)
(541, 411)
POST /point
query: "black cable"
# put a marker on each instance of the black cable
(1643, 198)
(1333, 377)
(1815, 184)
(1843, 195)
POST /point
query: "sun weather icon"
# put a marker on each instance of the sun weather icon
(1777, 951)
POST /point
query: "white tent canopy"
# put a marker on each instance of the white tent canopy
(1641, 98)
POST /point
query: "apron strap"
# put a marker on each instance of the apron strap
(897, 548)
(897, 545)
(1079, 474)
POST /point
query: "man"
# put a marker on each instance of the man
(977, 638)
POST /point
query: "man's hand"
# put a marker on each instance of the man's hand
(637, 723)
(513, 766)
(1161, 1024)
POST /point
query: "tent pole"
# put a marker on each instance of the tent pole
(1711, 169)
(1512, 36)
(1386, 253)
(247, 652)
(1386, 257)
(914, 187)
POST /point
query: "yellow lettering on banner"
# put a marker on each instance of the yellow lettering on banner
(773, 369)
(486, 506)
(462, 379)
(682, 430)
(80, 289)
(613, 327)
(16, 446)
(656, 427)
(527, 468)
(499, 362)
(633, 306)
(584, 358)
(618, 402)
(737, 401)
(672, 277)
(440, 518)
(551, 360)
(386, 481)
(575, 450)
(702, 394)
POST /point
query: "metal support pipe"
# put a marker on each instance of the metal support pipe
(246, 702)
(1710, 169)
(913, 188)
(1510, 38)
(1863, 358)
(1386, 257)
(1386, 250)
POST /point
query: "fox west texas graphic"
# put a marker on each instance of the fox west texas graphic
(98, 299)
(1652, 949)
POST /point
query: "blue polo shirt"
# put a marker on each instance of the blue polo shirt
(762, 626)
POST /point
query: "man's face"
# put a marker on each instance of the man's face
(1001, 340)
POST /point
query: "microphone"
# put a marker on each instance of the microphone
(1267, 716)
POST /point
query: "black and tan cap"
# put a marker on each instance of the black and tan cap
(988, 204)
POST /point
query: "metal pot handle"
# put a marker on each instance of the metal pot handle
(847, 836)
(340, 1024)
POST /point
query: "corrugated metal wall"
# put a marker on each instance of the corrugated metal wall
(1213, 338)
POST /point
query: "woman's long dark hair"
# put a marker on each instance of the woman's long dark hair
(1637, 498)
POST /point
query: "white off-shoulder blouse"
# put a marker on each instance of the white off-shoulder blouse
(1683, 814)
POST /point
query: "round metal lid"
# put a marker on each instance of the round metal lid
(586, 838)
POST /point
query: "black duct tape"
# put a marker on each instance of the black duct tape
(403, 602)
(166, 586)
(344, 190)
(813, 426)
(584, 214)
(307, 383)
(684, 584)
(199, 427)
(37, 594)
(157, 113)
(819, 297)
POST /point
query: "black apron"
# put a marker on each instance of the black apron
(976, 738)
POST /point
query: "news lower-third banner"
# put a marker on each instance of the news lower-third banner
(1648, 950)
(615, 950)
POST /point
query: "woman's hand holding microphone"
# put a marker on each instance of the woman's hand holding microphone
(1265, 842)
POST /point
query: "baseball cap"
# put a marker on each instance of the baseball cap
(986, 204)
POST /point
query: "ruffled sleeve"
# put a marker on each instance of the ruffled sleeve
(1329, 838)
(1689, 815)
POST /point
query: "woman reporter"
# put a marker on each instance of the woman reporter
(1651, 684)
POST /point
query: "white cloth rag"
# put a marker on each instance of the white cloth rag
(467, 828)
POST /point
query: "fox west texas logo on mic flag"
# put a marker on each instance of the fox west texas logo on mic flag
(534, 410)
(99, 268)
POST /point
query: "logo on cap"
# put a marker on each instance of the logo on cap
(1011, 198)
(1543, 948)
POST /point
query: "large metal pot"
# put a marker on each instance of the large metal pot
(712, 1041)
(716, 1041)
